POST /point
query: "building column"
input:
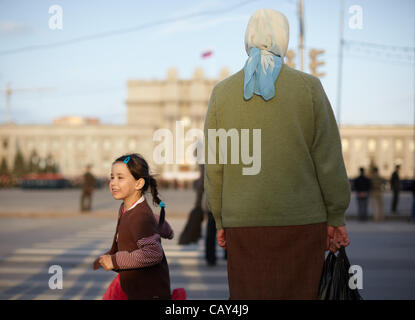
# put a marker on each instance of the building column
(408, 160)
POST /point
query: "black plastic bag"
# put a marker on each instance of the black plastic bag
(334, 282)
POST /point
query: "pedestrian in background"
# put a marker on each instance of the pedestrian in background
(88, 186)
(210, 240)
(376, 194)
(276, 222)
(395, 184)
(192, 230)
(413, 200)
(362, 188)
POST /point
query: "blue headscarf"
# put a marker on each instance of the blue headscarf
(266, 42)
(261, 70)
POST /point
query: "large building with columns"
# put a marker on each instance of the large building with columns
(74, 142)
(383, 146)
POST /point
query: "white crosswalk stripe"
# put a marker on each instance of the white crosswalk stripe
(24, 272)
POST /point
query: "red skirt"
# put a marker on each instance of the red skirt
(115, 292)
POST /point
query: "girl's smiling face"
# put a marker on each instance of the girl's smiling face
(122, 184)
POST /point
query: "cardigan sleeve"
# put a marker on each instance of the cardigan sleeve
(327, 156)
(213, 171)
(148, 253)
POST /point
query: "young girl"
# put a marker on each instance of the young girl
(136, 252)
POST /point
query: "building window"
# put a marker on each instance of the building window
(398, 145)
(372, 145)
(5, 143)
(132, 145)
(345, 145)
(385, 144)
(43, 145)
(106, 165)
(81, 145)
(357, 144)
(107, 144)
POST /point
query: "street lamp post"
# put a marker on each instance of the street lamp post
(340, 63)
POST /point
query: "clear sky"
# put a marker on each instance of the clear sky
(88, 78)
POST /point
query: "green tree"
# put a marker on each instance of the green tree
(3, 167)
(19, 168)
(33, 165)
(50, 164)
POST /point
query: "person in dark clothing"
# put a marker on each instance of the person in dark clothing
(88, 185)
(193, 228)
(210, 239)
(362, 188)
(395, 183)
(413, 201)
(210, 244)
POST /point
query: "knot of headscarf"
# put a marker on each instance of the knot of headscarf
(266, 43)
(261, 70)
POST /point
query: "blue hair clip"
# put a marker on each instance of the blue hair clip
(162, 213)
(127, 159)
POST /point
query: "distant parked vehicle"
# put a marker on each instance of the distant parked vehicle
(44, 181)
(406, 184)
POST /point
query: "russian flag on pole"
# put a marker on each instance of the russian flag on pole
(207, 54)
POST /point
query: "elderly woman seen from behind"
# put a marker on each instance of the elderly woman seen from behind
(276, 224)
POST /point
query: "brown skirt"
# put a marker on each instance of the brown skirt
(275, 262)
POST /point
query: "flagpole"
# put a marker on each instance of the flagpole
(300, 12)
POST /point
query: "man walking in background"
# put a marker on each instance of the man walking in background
(376, 189)
(88, 185)
(395, 183)
(413, 201)
(362, 188)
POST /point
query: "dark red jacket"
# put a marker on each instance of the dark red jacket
(152, 282)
